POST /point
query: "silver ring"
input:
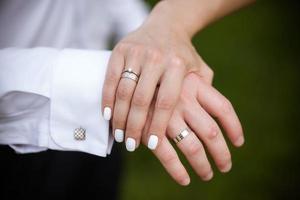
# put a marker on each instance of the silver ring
(185, 132)
(130, 74)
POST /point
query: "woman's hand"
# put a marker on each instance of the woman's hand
(197, 107)
(161, 55)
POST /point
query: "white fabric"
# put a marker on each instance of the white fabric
(46, 93)
(84, 24)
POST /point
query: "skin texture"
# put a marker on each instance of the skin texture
(161, 52)
(198, 105)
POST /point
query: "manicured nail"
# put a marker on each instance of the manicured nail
(240, 141)
(119, 135)
(107, 113)
(152, 142)
(130, 144)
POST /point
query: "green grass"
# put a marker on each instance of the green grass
(255, 56)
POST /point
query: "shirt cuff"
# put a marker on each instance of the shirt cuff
(77, 82)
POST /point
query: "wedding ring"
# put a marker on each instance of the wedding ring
(130, 74)
(181, 135)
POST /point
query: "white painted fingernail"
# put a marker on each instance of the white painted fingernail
(130, 144)
(107, 113)
(152, 142)
(119, 135)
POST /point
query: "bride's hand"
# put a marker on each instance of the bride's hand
(157, 57)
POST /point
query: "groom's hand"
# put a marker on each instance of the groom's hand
(199, 104)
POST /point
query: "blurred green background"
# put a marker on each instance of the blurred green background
(255, 56)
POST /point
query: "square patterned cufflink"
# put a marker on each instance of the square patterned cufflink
(79, 134)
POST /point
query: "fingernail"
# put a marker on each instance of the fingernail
(186, 181)
(227, 168)
(107, 113)
(152, 142)
(130, 144)
(209, 176)
(119, 135)
(240, 141)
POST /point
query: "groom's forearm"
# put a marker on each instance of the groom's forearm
(191, 16)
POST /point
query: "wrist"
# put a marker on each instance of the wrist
(172, 14)
(164, 17)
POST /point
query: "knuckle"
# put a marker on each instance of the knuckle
(193, 77)
(140, 100)
(225, 107)
(194, 150)
(189, 110)
(177, 61)
(154, 54)
(121, 47)
(210, 73)
(213, 131)
(123, 92)
(136, 50)
(165, 102)
(169, 158)
(183, 97)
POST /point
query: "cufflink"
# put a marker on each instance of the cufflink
(79, 134)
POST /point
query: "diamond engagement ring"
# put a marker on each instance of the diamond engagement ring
(130, 74)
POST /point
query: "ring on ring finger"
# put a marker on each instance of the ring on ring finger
(184, 133)
(130, 74)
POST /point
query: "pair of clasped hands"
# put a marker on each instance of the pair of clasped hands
(172, 96)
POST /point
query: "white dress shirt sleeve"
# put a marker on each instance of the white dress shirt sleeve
(46, 94)
(128, 16)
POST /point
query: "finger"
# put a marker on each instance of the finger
(124, 94)
(205, 72)
(112, 77)
(191, 147)
(169, 159)
(220, 107)
(167, 155)
(168, 94)
(141, 100)
(208, 131)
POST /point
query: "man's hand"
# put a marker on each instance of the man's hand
(198, 105)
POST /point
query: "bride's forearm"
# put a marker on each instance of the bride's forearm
(190, 16)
